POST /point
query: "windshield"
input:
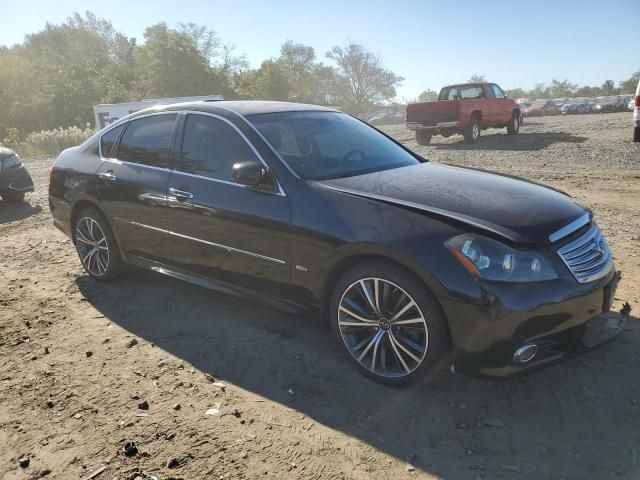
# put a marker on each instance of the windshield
(323, 145)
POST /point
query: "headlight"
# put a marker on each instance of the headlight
(10, 162)
(491, 260)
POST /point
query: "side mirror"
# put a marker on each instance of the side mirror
(250, 173)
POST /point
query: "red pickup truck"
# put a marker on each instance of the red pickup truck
(465, 109)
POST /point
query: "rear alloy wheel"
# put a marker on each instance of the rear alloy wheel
(96, 245)
(472, 132)
(514, 127)
(387, 323)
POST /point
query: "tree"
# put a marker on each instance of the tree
(562, 88)
(171, 65)
(608, 87)
(630, 84)
(516, 93)
(477, 79)
(297, 61)
(361, 79)
(269, 82)
(428, 96)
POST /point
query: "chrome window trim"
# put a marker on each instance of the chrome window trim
(206, 242)
(226, 182)
(252, 126)
(570, 227)
(279, 191)
(133, 164)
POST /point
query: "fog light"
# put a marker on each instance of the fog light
(525, 353)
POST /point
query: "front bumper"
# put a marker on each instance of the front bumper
(16, 179)
(560, 318)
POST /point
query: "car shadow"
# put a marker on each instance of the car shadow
(451, 426)
(11, 212)
(525, 142)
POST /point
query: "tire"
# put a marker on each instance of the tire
(514, 126)
(91, 230)
(382, 345)
(472, 131)
(13, 197)
(636, 134)
(423, 137)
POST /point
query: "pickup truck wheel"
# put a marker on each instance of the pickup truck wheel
(472, 132)
(423, 137)
(636, 134)
(514, 126)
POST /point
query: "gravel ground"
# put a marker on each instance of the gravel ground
(86, 368)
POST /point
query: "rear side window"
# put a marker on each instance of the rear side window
(210, 148)
(146, 141)
(497, 91)
(108, 140)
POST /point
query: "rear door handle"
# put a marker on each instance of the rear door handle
(181, 194)
(108, 175)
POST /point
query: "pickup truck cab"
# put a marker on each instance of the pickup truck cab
(465, 109)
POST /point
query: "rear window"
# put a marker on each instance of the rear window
(460, 92)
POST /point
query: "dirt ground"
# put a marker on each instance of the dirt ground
(85, 368)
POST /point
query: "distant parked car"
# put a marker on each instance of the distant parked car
(15, 180)
(575, 106)
(636, 116)
(467, 109)
(540, 108)
(387, 118)
(561, 101)
(631, 105)
(607, 104)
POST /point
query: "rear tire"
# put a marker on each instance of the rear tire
(390, 353)
(13, 197)
(96, 245)
(423, 137)
(514, 126)
(472, 131)
(636, 134)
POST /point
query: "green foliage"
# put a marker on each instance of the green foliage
(629, 85)
(12, 139)
(428, 96)
(477, 79)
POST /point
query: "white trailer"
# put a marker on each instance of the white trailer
(107, 113)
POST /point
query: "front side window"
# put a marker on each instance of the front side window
(109, 139)
(323, 145)
(210, 148)
(146, 140)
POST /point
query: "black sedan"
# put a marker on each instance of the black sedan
(414, 265)
(15, 180)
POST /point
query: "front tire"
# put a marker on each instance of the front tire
(389, 324)
(96, 245)
(472, 131)
(423, 137)
(514, 127)
(13, 197)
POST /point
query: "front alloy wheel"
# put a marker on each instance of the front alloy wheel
(383, 327)
(389, 323)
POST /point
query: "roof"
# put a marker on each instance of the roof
(245, 107)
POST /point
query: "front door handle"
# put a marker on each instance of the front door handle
(180, 194)
(108, 175)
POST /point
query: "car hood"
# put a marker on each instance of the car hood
(516, 209)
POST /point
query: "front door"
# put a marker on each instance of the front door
(133, 185)
(502, 105)
(221, 229)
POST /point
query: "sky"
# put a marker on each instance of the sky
(429, 43)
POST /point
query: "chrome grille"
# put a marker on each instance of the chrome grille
(589, 257)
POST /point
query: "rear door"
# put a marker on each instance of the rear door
(222, 229)
(133, 184)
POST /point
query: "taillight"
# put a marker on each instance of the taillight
(637, 101)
